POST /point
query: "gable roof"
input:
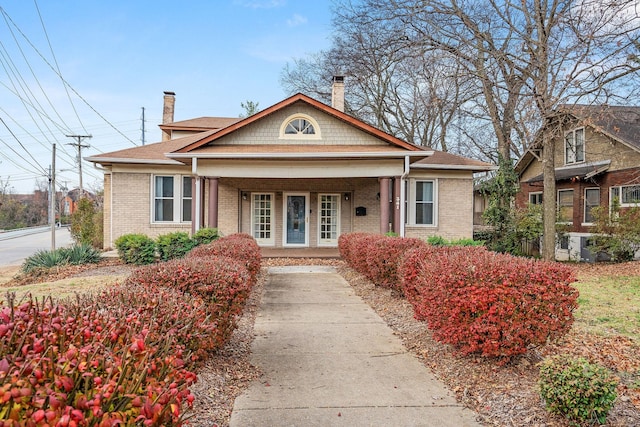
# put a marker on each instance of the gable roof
(618, 122)
(201, 123)
(299, 97)
(444, 160)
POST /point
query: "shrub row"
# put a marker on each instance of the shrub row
(140, 249)
(127, 355)
(481, 302)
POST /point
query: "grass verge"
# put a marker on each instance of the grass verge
(609, 305)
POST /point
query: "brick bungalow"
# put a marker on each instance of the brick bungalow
(297, 174)
(597, 159)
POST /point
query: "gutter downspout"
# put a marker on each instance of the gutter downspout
(403, 196)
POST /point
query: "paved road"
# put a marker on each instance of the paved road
(15, 249)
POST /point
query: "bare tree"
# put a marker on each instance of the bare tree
(528, 57)
(391, 84)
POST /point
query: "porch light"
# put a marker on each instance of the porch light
(244, 196)
(346, 196)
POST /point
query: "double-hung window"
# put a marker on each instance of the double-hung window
(565, 205)
(171, 198)
(591, 201)
(421, 202)
(626, 195)
(574, 146)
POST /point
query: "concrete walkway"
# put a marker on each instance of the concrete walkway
(329, 360)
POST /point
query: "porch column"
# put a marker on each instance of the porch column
(396, 204)
(194, 205)
(212, 220)
(202, 181)
(384, 205)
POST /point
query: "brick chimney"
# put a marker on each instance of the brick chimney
(337, 93)
(167, 113)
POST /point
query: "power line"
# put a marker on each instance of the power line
(55, 60)
(63, 80)
(23, 147)
(79, 146)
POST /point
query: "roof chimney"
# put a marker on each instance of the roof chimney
(167, 112)
(337, 93)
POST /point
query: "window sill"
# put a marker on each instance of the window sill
(587, 224)
(422, 225)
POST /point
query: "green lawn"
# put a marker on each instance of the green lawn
(609, 305)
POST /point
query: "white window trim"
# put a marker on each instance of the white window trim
(535, 193)
(177, 199)
(622, 205)
(558, 204)
(584, 205)
(272, 240)
(584, 143)
(411, 199)
(338, 214)
(310, 119)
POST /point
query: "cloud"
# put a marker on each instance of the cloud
(296, 20)
(261, 4)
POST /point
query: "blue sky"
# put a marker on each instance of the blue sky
(121, 55)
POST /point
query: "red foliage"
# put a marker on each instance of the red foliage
(222, 283)
(123, 357)
(240, 246)
(354, 249)
(384, 256)
(483, 302)
(99, 360)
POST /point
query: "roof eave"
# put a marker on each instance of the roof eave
(337, 155)
(112, 160)
(474, 168)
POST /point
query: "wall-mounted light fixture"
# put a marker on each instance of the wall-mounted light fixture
(378, 196)
(244, 196)
(347, 196)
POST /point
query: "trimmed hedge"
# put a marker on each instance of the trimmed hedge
(481, 302)
(384, 256)
(118, 356)
(125, 356)
(240, 246)
(484, 302)
(223, 283)
(174, 245)
(135, 248)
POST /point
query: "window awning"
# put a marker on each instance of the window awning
(581, 172)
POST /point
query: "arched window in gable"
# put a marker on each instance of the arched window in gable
(300, 126)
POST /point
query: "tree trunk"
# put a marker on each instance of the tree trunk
(549, 199)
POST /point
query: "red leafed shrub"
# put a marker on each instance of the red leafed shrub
(384, 256)
(118, 358)
(240, 246)
(488, 303)
(223, 284)
(355, 248)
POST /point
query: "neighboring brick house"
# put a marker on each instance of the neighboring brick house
(297, 174)
(597, 159)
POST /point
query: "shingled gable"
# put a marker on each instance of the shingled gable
(393, 141)
(620, 123)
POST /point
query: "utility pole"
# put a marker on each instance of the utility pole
(143, 129)
(79, 145)
(52, 197)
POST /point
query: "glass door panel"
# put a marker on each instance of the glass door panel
(328, 217)
(296, 219)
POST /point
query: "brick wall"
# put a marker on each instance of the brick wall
(454, 211)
